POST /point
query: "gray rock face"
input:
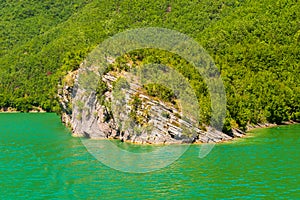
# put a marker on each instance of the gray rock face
(158, 122)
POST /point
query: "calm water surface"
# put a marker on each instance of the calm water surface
(40, 160)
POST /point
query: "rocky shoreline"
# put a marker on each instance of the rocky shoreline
(269, 125)
(13, 110)
(160, 123)
(237, 133)
(89, 118)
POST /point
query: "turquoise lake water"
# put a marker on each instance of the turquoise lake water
(40, 160)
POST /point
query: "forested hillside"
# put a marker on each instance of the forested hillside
(255, 44)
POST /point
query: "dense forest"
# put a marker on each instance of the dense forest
(255, 45)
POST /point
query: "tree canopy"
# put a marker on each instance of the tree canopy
(255, 45)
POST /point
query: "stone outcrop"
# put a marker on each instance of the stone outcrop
(158, 122)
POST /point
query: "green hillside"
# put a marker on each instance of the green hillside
(255, 44)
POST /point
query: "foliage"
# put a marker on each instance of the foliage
(162, 92)
(255, 44)
(100, 91)
(136, 105)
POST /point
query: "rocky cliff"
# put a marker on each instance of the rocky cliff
(131, 115)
